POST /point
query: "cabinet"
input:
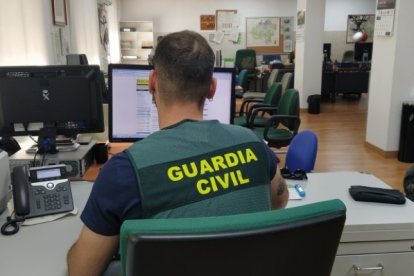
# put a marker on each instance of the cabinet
(137, 41)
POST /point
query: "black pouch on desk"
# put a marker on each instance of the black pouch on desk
(371, 194)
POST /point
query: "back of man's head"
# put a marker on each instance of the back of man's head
(184, 64)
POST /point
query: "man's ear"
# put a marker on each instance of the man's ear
(152, 81)
(212, 89)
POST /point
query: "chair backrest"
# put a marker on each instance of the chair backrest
(294, 241)
(302, 151)
(243, 78)
(348, 56)
(289, 105)
(245, 59)
(273, 94)
(286, 81)
(76, 59)
(272, 77)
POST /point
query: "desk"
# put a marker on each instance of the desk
(344, 81)
(374, 233)
(41, 249)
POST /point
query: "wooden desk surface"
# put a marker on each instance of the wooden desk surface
(94, 169)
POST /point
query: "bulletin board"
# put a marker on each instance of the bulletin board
(282, 43)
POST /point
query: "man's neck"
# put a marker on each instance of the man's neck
(173, 114)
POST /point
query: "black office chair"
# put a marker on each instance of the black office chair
(293, 241)
(76, 59)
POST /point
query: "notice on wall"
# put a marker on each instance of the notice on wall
(384, 17)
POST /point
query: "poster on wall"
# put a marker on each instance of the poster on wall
(360, 28)
(300, 32)
(287, 30)
(384, 19)
(262, 31)
(227, 21)
(207, 22)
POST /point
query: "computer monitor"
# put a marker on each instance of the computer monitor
(46, 101)
(327, 51)
(363, 51)
(132, 113)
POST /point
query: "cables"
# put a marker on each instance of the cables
(11, 226)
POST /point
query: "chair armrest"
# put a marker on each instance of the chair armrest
(275, 120)
(255, 109)
(245, 105)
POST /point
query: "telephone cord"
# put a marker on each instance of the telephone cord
(11, 226)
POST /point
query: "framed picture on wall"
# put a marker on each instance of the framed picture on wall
(363, 24)
(59, 12)
(262, 31)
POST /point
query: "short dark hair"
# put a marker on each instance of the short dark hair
(184, 64)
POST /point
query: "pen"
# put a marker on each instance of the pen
(300, 190)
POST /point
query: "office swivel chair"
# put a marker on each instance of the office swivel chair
(301, 154)
(294, 241)
(260, 95)
(246, 59)
(271, 101)
(242, 82)
(281, 127)
(76, 59)
(286, 82)
(348, 56)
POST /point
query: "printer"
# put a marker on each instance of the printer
(5, 180)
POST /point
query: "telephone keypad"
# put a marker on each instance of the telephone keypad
(52, 201)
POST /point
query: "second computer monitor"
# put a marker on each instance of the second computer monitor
(133, 114)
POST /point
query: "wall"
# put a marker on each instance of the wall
(169, 16)
(27, 33)
(336, 17)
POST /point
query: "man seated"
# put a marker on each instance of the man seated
(189, 168)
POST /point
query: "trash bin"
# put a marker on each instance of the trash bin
(406, 147)
(314, 102)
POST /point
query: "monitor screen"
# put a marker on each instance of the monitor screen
(363, 51)
(64, 98)
(132, 113)
(327, 51)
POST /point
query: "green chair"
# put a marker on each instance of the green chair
(280, 128)
(248, 106)
(272, 78)
(242, 82)
(294, 241)
(246, 59)
(286, 84)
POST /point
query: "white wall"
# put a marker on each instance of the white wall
(337, 12)
(170, 16)
(174, 15)
(392, 80)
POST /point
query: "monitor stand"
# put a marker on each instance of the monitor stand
(48, 143)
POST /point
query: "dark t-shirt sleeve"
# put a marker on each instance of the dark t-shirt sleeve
(114, 197)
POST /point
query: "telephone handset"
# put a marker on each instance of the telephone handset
(48, 192)
(21, 185)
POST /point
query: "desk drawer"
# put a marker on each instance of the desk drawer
(394, 264)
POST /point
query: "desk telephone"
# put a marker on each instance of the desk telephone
(48, 193)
